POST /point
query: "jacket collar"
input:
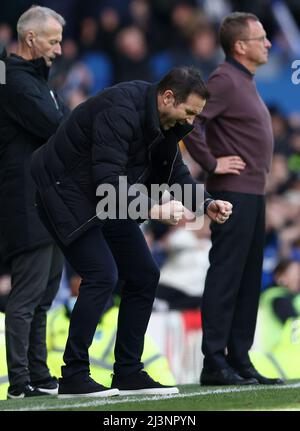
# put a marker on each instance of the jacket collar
(238, 65)
(37, 66)
(152, 119)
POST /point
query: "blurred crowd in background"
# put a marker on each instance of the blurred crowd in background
(108, 41)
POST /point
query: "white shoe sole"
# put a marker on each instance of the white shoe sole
(48, 391)
(151, 391)
(108, 393)
(15, 397)
(21, 396)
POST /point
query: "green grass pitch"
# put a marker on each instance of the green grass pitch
(190, 398)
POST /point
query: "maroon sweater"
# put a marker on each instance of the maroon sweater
(236, 122)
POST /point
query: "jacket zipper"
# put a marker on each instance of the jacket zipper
(172, 165)
(54, 99)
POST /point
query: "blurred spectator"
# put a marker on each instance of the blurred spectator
(140, 13)
(109, 24)
(284, 302)
(121, 7)
(203, 52)
(75, 97)
(155, 234)
(184, 19)
(6, 34)
(294, 156)
(141, 16)
(282, 232)
(184, 270)
(281, 130)
(279, 174)
(277, 352)
(216, 9)
(132, 61)
(78, 80)
(275, 221)
(100, 69)
(88, 35)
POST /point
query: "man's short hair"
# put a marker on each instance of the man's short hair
(35, 17)
(183, 81)
(234, 27)
(282, 267)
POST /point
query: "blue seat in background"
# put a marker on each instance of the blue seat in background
(101, 69)
(160, 64)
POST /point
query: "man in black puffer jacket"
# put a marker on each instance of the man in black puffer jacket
(128, 131)
(29, 114)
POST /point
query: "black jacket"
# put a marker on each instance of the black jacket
(115, 133)
(29, 115)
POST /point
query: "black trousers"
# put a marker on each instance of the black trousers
(101, 256)
(35, 280)
(233, 282)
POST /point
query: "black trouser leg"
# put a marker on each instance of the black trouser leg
(140, 273)
(92, 259)
(231, 243)
(244, 320)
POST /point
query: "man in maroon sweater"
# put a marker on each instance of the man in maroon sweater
(232, 140)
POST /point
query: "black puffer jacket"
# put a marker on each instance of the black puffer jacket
(115, 133)
(29, 115)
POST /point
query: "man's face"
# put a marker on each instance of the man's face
(46, 43)
(291, 277)
(256, 44)
(171, 113)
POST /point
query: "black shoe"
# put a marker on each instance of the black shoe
(49, 386)
(83, 386)
(24, 391)
(222, 377)
(141, 383)
(251, 372)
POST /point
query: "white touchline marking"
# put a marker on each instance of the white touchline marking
(122, 400)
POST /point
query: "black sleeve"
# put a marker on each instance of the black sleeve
(284, 309)
(38, 113)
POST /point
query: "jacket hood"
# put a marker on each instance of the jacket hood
(38, 66)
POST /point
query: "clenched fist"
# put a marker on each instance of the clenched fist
(168, 213)
(219, 211)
